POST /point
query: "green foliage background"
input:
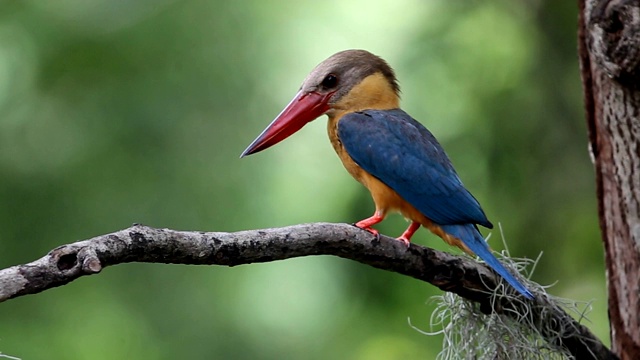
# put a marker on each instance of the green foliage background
(116, 112)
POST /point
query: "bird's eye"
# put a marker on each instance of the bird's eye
(330, 81)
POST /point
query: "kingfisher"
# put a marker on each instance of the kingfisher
(394, 156)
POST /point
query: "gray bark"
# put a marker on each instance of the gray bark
(461, 275)
(609, 40)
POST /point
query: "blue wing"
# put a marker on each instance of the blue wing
(404, 155)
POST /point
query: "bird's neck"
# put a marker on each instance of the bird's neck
(372, 93)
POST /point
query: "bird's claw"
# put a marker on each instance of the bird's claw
(369, 229)
(406, 241)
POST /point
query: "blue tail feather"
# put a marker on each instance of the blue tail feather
(471, 237)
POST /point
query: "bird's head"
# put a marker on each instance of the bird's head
(348, 81)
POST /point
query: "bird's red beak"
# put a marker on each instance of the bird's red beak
(304, 108)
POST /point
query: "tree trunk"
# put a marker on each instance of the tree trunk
(609, 44)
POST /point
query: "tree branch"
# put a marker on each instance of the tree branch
(460, 275)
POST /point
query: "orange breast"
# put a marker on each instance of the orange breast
(385, 198)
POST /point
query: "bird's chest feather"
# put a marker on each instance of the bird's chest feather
(373, 92)
(356, 171)
(385, 198)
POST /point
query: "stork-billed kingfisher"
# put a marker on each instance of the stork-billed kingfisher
(394, 156)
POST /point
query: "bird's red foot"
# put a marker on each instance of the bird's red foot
(368, 222)
(407, 234)
(406, 241)
(371, 230)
